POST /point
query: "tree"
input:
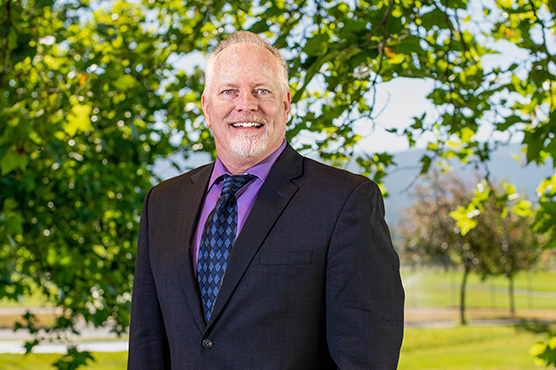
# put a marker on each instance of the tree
(430, 233)
(508, 220)
(78, 105)
(92, 92)
(511, 226)
(501, 242)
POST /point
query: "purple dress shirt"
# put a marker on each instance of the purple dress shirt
(245, 197)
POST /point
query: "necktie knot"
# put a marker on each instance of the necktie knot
(233, 183)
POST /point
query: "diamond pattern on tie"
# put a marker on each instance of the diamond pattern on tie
(218, 237)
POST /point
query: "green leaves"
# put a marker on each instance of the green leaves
(13, 159)
(545, 353)
(426, 164)
(78, 120)
(465, 218)
(78, 139)
(317, 45)
(73, 359)
(125, 82)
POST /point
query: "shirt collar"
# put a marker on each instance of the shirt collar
(260, 170)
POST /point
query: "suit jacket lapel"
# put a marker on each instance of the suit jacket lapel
(190, 204)
(273, 197)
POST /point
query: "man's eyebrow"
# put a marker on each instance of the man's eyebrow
(258, 85)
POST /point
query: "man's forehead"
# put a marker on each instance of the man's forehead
(243, 51)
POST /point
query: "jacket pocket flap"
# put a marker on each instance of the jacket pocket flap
(286, 258)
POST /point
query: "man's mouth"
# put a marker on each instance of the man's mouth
(247, 124)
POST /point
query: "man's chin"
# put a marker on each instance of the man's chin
(251, 152)
(249, 147)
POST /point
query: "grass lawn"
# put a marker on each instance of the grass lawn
(468, 348)
(33, 361)
(438, 288)
(430, 288)
(459, 348)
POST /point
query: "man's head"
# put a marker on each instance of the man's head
(246, 101)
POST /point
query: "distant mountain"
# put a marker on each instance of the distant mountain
(503, 167)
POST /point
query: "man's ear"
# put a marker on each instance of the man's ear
(204, 104)
(288, 102)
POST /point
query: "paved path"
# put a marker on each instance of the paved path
(11, 342)
(101, 340)
(11, 346)
(91, 339)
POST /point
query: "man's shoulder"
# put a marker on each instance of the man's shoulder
(301, 168)
(185, 179)
(333, 176)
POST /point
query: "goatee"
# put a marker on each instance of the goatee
(249, 145)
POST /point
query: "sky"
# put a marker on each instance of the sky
(400, 100)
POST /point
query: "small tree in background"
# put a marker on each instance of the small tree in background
(430, 233)
(510, 222)
(500, 243)
(508, 218)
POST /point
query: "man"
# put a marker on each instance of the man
(311, 280)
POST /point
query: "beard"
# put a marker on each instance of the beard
(250, 145)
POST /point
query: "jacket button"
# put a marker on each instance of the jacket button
(207, 343)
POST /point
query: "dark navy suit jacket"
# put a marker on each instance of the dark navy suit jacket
(312, 282)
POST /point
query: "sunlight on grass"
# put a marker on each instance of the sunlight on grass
(468, 348)
(33, 361)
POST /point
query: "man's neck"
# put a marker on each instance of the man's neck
(239, 168)
(239, 165)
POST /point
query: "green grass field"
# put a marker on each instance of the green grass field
(103, 361)
(437, 288)
(459, 348)
(468, 348)
(428, 288)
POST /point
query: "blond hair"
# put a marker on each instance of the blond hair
(246, 37)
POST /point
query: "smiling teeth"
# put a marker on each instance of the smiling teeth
(247, 124)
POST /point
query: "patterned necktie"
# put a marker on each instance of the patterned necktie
(218, 237)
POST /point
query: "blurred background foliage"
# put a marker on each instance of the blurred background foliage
(92, 92)
(499, 243)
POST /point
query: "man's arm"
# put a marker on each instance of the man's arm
(364, 294)
(148, 347)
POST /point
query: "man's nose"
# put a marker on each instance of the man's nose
(246, 102)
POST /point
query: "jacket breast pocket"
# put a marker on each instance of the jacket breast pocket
(286, 258)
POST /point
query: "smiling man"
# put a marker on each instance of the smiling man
(246, 103)
(263, 259)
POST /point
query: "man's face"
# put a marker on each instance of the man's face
(245, 105)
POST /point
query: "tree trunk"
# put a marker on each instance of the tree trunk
(512, 297)
(463, 320)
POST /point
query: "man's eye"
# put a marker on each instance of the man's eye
(228, 92)
(263, 91)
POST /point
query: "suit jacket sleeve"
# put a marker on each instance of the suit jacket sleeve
(364, 294)
(148, 346)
